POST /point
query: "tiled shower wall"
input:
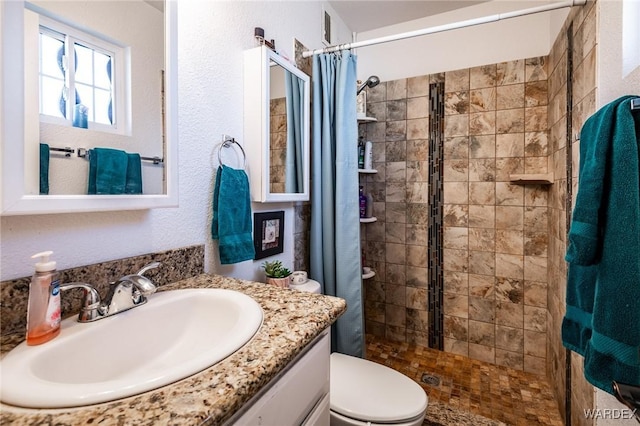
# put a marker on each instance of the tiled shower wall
(581, 26)
(277, 143)
(495, 232)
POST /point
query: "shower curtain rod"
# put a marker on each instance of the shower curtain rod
(446, 27)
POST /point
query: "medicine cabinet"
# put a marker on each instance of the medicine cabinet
(276, 127)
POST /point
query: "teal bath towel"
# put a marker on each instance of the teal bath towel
(232, 224)
(602, 321)
(44, 169)
(113, 171)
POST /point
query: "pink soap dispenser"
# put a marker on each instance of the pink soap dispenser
(43, 313)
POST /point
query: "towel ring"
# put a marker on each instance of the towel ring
(227, 144)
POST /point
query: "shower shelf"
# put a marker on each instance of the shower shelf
(365, 119)
(368, 219)
(368, 275)
(532, 179)
(367, 171)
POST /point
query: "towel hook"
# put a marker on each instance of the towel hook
(227, 144)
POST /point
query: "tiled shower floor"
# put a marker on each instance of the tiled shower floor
(500, 393)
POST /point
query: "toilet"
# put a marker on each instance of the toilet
(364, 393)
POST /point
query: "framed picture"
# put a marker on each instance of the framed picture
(268, 233)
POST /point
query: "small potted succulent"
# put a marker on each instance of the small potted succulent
(277, 274)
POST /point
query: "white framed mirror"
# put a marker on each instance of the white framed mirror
(276, 127)
(138, 118)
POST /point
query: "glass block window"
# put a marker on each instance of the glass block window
(77, 77)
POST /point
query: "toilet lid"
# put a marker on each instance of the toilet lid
(367, 391)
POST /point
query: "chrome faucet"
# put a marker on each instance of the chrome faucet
(126, 293)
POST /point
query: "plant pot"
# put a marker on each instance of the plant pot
(280, 282)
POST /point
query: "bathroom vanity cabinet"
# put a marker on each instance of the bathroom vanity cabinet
(299, 395)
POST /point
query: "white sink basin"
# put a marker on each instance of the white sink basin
(174, 335)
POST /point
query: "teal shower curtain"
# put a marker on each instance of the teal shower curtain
(335, 224)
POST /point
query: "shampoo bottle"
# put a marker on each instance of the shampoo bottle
(43, 313)
(363, 202)
(368, 155)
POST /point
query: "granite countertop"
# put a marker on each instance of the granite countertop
(291, 321)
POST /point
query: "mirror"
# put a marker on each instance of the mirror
(139, 117)
(276, 96)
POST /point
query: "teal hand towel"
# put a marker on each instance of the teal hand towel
(112, 171)
(602, 321)
(133, 178)
(232, 224)
(44, 169)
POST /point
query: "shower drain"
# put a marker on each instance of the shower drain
(430, 379)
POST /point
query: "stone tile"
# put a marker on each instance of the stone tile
(456, 305)
(379, 152)
(482, 262)
(535, 69)
(456, 148)
(456, 192)
(508, 166)
(456, 171)
(455, 260)
(509, 217)
(395, 150)
(535, 243)
(395, 192)
(417, 276)
(536, 195)
(509, 266)
(395, 315)
(416, 213)
(535, 119)
(535, 93)
(455, 327)
(417, 107)
(395, 233)
(396, 171)
(482, 193)
(418, 86)
(456, 238)
(535, 293)
(417, 234)
(509, 290)
(377, 131)
(509, 359)
(377, 110)
(510, 72)
(510, 96)
(456, 80)
(456, 347)
(482, 286)
(510, 145)
(395, 253)
(374, 311)
(509, 121)
(482, 123)
(482, 353)
(482, 100)
(417, 192)
(416, 298)
(396, 274)
(417, 150)
(535, 319)
(456, 282)
(509, 338)
(455, 215)
(395, 213)
(456, 103)
(417, 128)
(483, 76)
(509, 241)
(418, 320)
(536, 144)
(482, 239)
(396, 131)
(535, 268)
(482, 170)
(509, 195)
(456, 125)
(482, 146)
(376, 231)
(377, 93)
(482, 216)
(395, 295)
(536, 218)
(482, 310)
(416, 255)
(417, 171)
(482, 333)
(397, 89)
(535, 343)
(396, 110)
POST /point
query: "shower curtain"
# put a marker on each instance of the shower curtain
(335, 224)
(295, 110)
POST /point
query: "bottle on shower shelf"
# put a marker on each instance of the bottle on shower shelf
(363, 203)
(361, 153)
